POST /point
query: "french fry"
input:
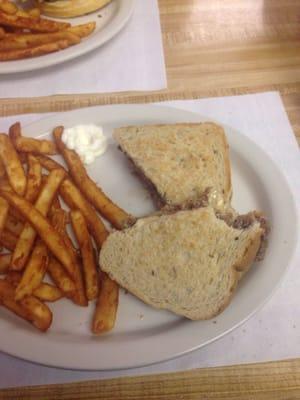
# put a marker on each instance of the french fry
(34, 179)
(61, 279)
(44, 292)
(34, 13)
(30, 308)
(2, 33)
(87, 254)
(4, 183)
(114, 214)
(8, 240)
(8, 7)
(47, 292)
(34, 271)
(75, 200)
(39, 312)
(12, 165)
(2, 169)
(82, 30)
(32, 24)
(3, 212)
(13, 277)
(58, 220)
(14, 225)
(42, 206)
(12, 30)
(27, 144)
(25, 41)
(36, 51)
(106, 308)
(49, 164)
(45, 230)
(4, 262)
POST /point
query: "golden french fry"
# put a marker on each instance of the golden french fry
(47, 292)
(58, 220)
(34, 271)
(32, 24)
(4, 183)
(30, 308)
(12, 165)
(7, 300)
(83, 30)
(13, 277)
(60, 217)
(42, 206)
(48, 234)
(75, 200)
(40, 312)
(14, 225)
(87, 254)
(22, 13)
(49, 164)
(3, 212)
(34, 179)
(34, 12)
(8, 240)
(61, 279)
(114, 214)
(36, 51)
(25, 41)
(107, 304)
(27, 144)
(2, 33)
(4, 262)
(8, 7)
(2, 169)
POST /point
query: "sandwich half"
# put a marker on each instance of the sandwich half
(185, 165)
(188, 262)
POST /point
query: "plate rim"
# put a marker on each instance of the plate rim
(193, 116)
(22, 66)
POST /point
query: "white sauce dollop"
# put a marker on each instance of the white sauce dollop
(87, 141)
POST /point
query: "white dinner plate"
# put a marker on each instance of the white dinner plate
(144, 335)
(109, 21)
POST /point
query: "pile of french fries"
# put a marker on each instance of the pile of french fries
(34, 237)
(25, 34)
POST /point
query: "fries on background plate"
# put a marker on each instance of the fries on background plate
(25, 34)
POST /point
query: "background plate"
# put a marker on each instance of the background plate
(110, 20)
(143, 335)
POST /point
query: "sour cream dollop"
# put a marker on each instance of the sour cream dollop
(88, 141)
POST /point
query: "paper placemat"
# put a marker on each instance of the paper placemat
(272, 333)
(133, 60)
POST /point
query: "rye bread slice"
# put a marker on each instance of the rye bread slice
(184, 165)
(188, 262)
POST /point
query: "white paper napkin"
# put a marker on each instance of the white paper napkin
(271, 334)
(133, 60)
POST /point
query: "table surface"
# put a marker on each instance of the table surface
(212, 48)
